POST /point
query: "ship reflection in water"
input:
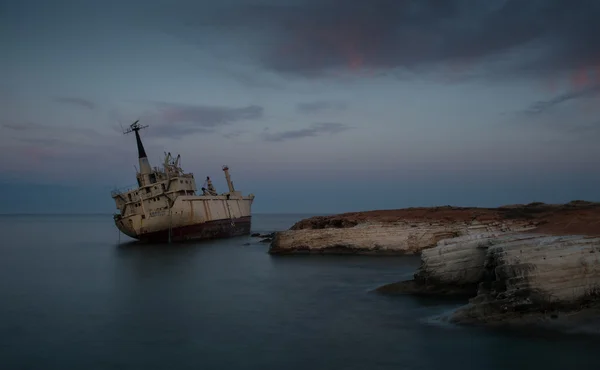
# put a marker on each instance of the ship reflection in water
(164, 206)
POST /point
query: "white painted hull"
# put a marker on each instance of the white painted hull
(187, 216)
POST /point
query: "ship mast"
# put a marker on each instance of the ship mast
(145, 169)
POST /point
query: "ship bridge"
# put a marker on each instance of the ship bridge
(157, 188)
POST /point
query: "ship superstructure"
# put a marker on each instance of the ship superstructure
(165, 206)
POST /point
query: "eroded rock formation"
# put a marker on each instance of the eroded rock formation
(510, 277)
(412, 230)
(392, 237)
(537, 274)
(454, 267)
(513, 262)
(363, 239)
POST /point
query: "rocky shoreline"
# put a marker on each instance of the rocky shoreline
(523, 263)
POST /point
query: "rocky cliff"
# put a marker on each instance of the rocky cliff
(384, 237)
(454, 267)
(413, 229)
(530, 275)
(517, 276)
(515, 262)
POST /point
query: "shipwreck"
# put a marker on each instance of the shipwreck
(165, 205)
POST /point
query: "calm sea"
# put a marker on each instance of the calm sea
(73, 298)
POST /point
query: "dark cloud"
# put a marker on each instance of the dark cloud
(76, 101)
(582, 131)
(543, 106)
(234, 134)
(45, 142)
(316, 129)
(60, 151)
(320, 106)
(60, 135)
(310, 37)
(588, 130)
(176, 120)
(25, 126)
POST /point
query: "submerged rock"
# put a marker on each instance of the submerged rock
(259, 235)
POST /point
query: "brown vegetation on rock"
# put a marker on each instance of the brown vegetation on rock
(576, 217)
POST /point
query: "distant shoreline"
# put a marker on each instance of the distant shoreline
(302, 214)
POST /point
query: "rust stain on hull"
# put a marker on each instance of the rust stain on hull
(207, 230)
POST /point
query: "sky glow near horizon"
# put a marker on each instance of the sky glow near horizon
(316, 106)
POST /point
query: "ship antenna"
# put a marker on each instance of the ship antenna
(136, 127)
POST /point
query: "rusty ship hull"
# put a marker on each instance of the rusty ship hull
(202, 231)
(190, 218)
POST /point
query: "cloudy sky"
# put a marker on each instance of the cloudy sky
(316, 105)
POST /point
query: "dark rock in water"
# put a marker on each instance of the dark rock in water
(266, 240)
(420, 288)
(246, 244)
(259, 235)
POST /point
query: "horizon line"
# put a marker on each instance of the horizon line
(110, 214)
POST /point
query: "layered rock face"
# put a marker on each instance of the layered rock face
(535, 274)
(509, 276)
(362, 239)
(513, 262)
(384, 238)
(411, 230)
(454, 267)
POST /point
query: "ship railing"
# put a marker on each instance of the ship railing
(124, 189)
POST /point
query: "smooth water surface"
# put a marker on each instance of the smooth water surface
(73, 298)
